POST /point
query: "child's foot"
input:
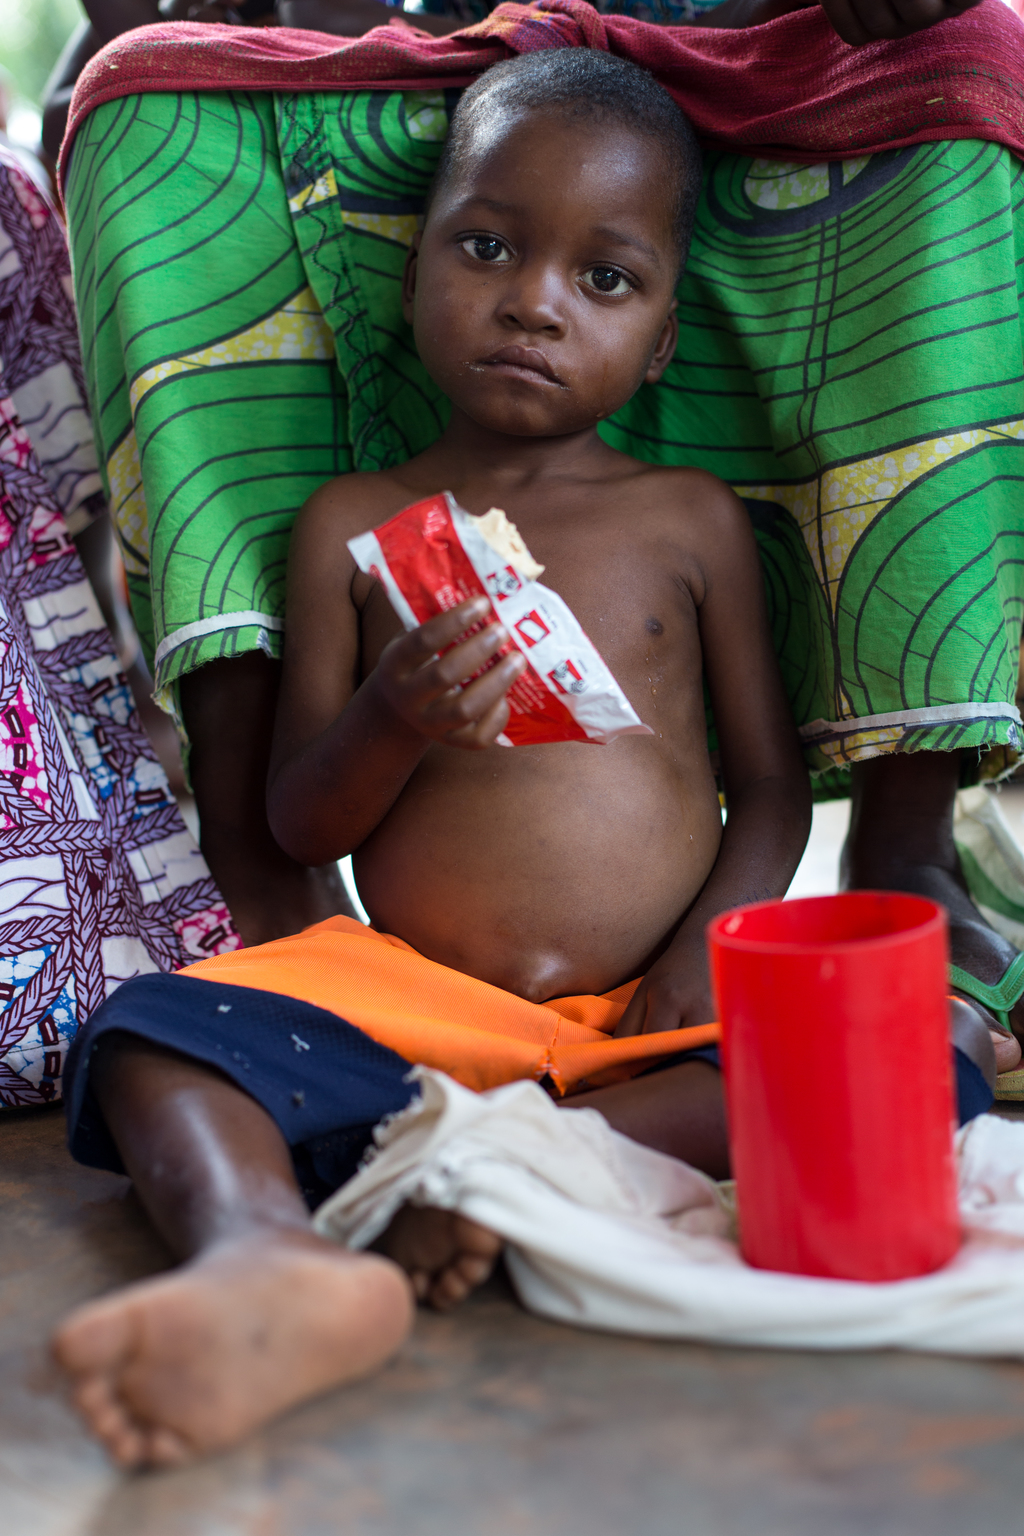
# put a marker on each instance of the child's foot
(444, 1254)
(193, 1361)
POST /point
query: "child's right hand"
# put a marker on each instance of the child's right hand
(422, 687)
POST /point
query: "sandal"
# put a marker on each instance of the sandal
(998, 998)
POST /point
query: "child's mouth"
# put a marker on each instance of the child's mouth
(522, 363)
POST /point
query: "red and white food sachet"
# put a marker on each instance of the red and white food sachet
(432, 556)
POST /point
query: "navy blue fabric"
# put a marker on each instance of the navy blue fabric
(324, 1082)
(973, 1094)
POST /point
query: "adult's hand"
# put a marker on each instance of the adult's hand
(112, 17)
(856, 21)
(865, 21)
(351, 18)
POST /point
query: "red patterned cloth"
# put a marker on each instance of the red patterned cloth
(790, 85)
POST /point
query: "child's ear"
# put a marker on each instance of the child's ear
(409, 276)
(665, 350)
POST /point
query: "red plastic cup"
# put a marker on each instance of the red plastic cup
(838, 1083)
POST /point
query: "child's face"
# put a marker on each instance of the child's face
(542, 290)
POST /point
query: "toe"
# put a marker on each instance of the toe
(165, 1448)
(93, 1394)
(101, 1408)
(106, 1419)
(448, 1289)
(93, 1339)
(472, 1238)
(127, 1449)
(474, 1268)
(1007, 1049)
(110, 1421)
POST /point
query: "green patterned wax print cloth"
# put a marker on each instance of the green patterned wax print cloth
(850, 359)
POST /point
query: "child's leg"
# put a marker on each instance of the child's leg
(901, 839)
(680, 1110)
(228, 710)
(262, 1314)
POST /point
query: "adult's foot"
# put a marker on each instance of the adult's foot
(973, 945)
(444, 1254)
(191, 1362)
(901, 839)
(991, 1048)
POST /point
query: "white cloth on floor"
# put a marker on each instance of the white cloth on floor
(604, 1233)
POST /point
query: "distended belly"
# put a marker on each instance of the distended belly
(565, 883)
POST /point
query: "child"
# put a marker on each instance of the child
(515, 894)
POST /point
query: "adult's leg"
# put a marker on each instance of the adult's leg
(901, 839)
(228, 711)
(881, 477)
(219, 409)
(262, 1314)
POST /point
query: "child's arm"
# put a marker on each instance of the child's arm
(344, 750)
(767, 789)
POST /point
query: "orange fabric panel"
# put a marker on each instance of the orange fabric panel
(437, 1017)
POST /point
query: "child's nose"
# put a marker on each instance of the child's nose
(535, 302)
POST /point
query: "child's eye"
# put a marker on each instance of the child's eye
(607, 280)
(486, 248)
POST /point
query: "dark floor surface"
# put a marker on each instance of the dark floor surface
(491, 1422)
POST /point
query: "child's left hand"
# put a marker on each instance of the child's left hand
(675, 994)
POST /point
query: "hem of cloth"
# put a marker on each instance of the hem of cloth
(993, 730)
(191, 646)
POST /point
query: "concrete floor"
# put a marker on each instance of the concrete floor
(491, 1421)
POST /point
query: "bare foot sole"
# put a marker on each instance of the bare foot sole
(444, 1254)
(191, 1362)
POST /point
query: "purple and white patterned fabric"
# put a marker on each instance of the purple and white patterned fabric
(99, 878)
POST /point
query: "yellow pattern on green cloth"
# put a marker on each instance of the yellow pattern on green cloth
(426, 116)
(128, 505)
(296, 330)
(861, 744)
(397, 227)
(318, 191)
(782, 184)
(833, 510)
